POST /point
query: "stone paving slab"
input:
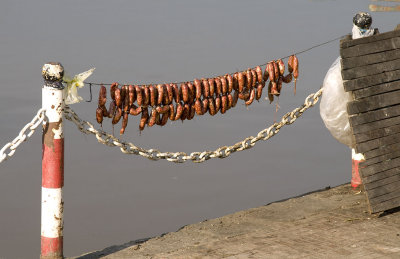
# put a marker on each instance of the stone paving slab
(334, 223)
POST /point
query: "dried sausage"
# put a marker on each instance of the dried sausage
(134, 110)
(241, 82)
(217, 104)
(126, 101)
(290, 64)
(99, 115)
(192, 92)
(146, 95)
(270, 95)
(259, 91)
(279, 85)
(271, 71)
(211, 106)
(170, 93)
(111, 109)
(162, 109)
(132, 94)
(124, 90)
(164, 119)
(171, 112)
(276, 70)
(266, 73)
(206, 88)
(177, 93)
(153, 95)
(235, 81)
(224, 104)
(144, 118)
(185, 112)
(139, 95)
(253, 78)
(274, 89)
(112, 90)
(179, 111)
(229, 80)
(223, 85)
(117, 115)
(251, 98)
(235, 99)
(218, 86)
(197, 84)
(198, 107)
(230, 101)
(160, 90)
(192, 112)
(211, 83)
(244, 96)
(185, 92)
(259, 74)
(102, 96)
(295, 71)
(287, 79)
(249, 79)
(153, 117)
(124, 123)
(118, 100)
(281, 67)
(204, 106)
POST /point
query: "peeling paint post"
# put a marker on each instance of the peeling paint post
(52, 163)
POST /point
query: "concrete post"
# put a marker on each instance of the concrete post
(52, 163)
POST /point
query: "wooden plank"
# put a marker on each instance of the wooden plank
(375, 143)
(382, 182)
(349, 42)
(376, 115)
(381, 158)
(387, 205)
(367, 81)
(380, 176)
(386, 197)
(379, 167)
(388, 188)
(370, 59)
(372, 47)
(376, 125)
(378, 133)
(381, 151)
(376, 89)
(373, 102)
(369, 70)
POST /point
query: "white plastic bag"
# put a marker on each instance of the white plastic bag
(333, 106)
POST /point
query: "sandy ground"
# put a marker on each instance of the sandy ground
(333, 223)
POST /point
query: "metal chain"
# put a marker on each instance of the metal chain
(22, 136)
(197, 157)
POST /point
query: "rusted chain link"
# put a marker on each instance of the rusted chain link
(197, 157)
(22, 136)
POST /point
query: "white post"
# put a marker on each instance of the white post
(52, 163)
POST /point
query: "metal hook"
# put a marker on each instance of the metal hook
(90, 90)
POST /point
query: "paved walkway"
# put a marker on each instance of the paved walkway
(334, 223)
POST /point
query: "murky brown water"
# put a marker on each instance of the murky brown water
(111, 198)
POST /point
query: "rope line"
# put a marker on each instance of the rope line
(196, 157)
(297, 53)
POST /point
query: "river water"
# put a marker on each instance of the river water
(112, 198)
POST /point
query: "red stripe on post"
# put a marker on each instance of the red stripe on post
(53, 163)
(51, 247)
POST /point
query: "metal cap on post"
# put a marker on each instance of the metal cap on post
(52, 163)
